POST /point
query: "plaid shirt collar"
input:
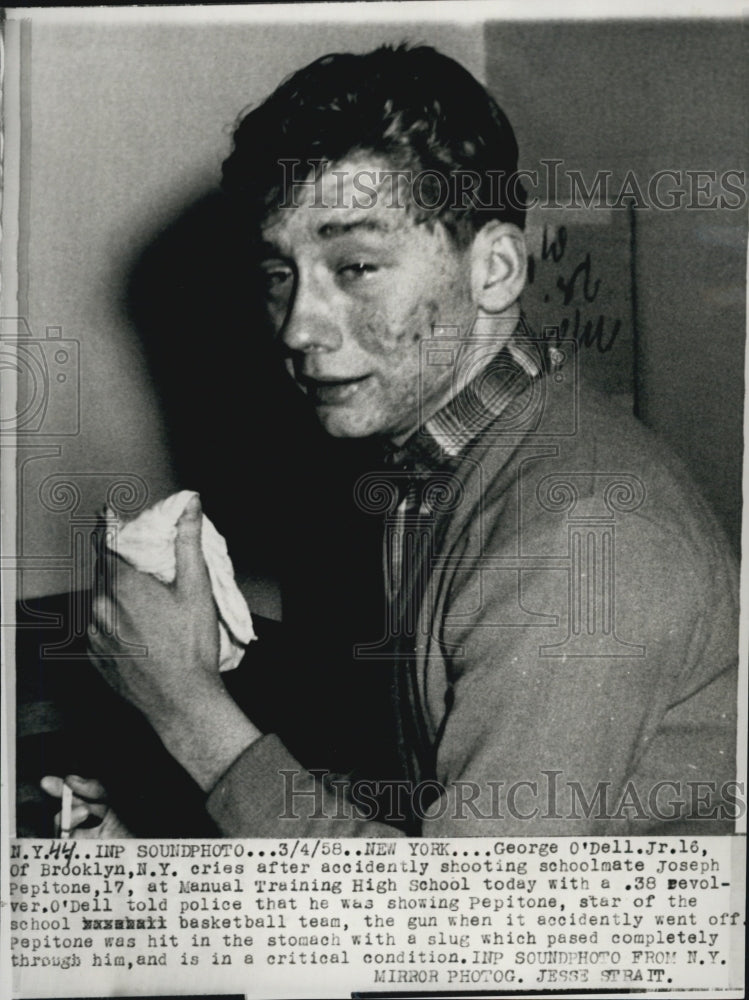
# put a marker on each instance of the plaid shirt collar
(443, 437)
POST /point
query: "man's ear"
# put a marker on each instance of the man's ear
(498, 266)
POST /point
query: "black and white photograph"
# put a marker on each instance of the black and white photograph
(372, 452)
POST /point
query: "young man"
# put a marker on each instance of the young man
(560, 605)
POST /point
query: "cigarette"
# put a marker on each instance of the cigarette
(67, 809)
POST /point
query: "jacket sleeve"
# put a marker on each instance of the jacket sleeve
(267, 793)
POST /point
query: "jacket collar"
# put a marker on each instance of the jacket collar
(445, 436)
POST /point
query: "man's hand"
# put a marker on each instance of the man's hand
(176, 685)
(89, 802)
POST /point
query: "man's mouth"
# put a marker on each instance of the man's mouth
(332, 391)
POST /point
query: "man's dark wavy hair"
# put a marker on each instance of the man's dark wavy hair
(418, 109)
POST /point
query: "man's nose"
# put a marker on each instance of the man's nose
(311, 324)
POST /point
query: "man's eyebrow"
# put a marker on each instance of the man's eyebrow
(330, 229)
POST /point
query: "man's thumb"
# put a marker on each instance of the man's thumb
(189, 555)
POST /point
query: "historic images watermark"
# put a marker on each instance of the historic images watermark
(46, 373)
(552, 186)
(549, 796)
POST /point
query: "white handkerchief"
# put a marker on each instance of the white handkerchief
(148, 544)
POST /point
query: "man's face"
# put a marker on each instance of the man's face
(352, 291)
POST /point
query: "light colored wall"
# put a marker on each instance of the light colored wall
(124, 125)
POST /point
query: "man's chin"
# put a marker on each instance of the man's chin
(344, 425)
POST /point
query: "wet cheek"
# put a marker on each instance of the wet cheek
(379, 335)
(374, 333)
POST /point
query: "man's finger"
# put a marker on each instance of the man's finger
(52, 785)
(191, 570)
(79, 814)
(86, 788)
(103, 617)
(111, 573)
(106, 531)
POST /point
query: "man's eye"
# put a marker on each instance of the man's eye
(359, 269)
(275, 278)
